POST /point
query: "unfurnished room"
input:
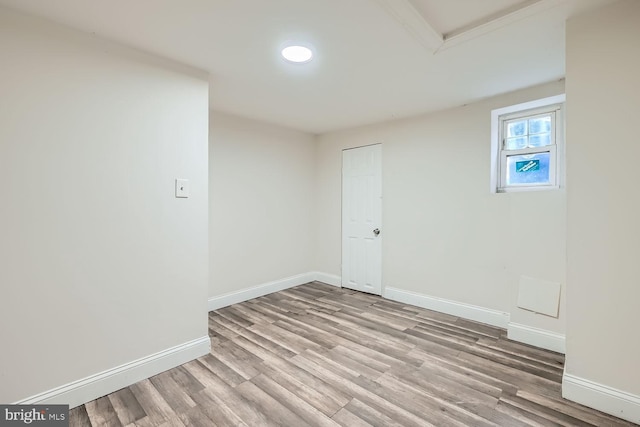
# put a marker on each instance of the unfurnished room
(319, 212)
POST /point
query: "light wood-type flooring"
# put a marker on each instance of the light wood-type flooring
(324, 356)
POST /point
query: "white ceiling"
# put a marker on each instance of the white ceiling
(375, 59)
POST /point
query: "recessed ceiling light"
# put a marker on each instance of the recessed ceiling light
(297, 54)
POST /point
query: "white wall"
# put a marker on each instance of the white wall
(603, 201)
(261, 180)
(445, 235)
(99, 264)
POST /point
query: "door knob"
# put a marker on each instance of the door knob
(376, 231)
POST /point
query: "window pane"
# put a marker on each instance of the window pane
(516, 143)
(518, 128)
(540, 140)
(540, 125)
(528, 169)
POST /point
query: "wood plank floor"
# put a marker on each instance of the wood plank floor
(324, 356)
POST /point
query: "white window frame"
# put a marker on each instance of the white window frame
(499, 119)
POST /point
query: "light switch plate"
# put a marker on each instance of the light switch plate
(182, 188)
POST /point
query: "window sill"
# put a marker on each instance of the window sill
(523, 189)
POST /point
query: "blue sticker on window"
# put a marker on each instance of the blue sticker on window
(528, 166)
(529, 169)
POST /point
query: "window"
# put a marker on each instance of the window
(527, 145)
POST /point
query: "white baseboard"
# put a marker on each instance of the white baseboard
(260, 290)
(87, 389)
(537, 337)
(466, 311)
(329, 279)
(601, 397)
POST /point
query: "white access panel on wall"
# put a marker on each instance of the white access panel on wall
(539, 296)
(361, 219)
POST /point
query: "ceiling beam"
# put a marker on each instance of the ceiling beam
(496, 21)
(413, 22)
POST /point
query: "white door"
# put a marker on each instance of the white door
(361, 219)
